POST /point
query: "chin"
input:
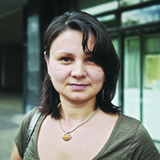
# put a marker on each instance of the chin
(77, 99)
(81, 98)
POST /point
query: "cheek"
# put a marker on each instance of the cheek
(58, 73)
(98, 75)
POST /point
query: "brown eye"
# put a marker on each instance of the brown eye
(90, 59)
(66, 59)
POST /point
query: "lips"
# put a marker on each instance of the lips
(78, 86)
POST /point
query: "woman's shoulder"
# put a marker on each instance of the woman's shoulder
(131, 126)
(27, 118)
(133, 134)
(22, 133)
(127, 128)
(30, 114)
(127, 122)
(135, 126)
(129, 118)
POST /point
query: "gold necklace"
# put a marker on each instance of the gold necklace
(66, 136)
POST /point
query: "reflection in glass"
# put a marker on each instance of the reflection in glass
(128, 2)
(102, 8)
(146, 0)
(151, 82)
(108, 21)
(141, 16)
(132, 77)
(151, 87)
(116, 98)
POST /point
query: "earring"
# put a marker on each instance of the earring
(103, 97)
(59, 105)
(50, 78)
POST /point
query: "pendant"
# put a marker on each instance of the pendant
(66, 136)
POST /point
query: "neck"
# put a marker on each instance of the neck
(73, 113)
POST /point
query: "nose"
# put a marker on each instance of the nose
(78, 70)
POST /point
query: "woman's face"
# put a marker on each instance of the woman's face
(74, 74)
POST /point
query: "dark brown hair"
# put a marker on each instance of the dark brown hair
(104, 55)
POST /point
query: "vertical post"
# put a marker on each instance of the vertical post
(33, 52)
(2, 67)
(121, 78)
(141, 76)
(121, 56)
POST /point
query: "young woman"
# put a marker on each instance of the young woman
(78, 120)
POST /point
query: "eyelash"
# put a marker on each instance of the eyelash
(90, 59)
(67, 59)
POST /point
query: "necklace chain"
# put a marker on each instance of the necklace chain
(67, 132)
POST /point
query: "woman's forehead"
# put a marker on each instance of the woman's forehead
(69, 37)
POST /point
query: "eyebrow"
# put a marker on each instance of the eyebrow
(71, 54)
(66, 53)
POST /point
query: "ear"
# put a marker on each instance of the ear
(47, 62)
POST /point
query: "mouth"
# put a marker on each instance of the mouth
(78, 86)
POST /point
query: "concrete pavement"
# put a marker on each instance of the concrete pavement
(10, 120)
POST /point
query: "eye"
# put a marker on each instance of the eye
(91, 59)
(66, 59)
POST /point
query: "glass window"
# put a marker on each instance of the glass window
(108, 21)
(151, 82)
(102, 8)
(115, 44)
(141, 16)
(81, 4)
(151, 87)
(146, 0)
(132, 77)
(124, 3)
(116, 98)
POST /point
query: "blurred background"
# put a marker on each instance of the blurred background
(134, 27)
